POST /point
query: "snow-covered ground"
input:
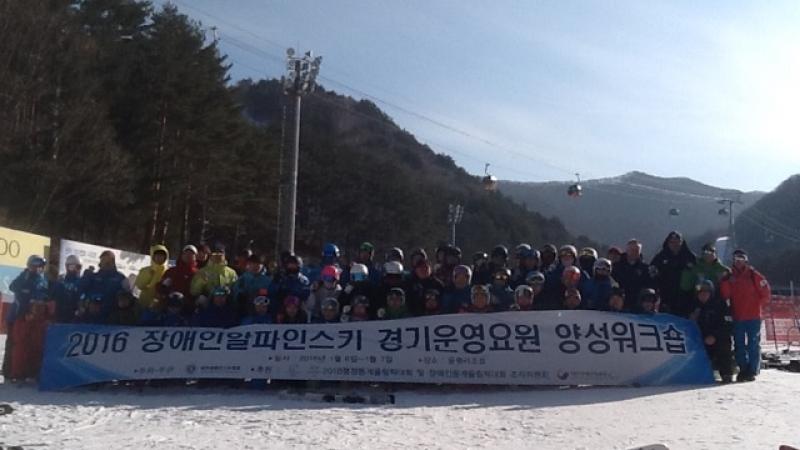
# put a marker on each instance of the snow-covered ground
(758, 415)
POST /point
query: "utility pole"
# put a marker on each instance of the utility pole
(454, 215)
(300, 80)
(728, 209)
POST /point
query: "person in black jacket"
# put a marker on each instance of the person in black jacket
(666, 268)
(713, 317)
(632, 273)
(418, 284)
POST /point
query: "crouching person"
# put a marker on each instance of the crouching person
(358, 311)
(260, 312)
(395, 305)
(713, 317)
(29, 335)
(126, 313)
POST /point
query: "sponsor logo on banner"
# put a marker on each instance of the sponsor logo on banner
(15, 248)
(517, 348)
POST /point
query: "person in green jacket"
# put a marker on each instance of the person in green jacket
(708, 267)
(215, 274)
(149, 277)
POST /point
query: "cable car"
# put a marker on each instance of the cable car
(674, 212)
(489, 180)
(575, 190)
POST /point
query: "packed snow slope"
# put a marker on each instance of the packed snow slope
(758, 415)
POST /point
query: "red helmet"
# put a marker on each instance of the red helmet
(330, 273)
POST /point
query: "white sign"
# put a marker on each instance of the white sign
(129, 263)
(548, 348)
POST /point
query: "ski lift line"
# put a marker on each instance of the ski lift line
(261, 52)
(795, 239)
(771, 220)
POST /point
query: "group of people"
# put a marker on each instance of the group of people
(203, 290)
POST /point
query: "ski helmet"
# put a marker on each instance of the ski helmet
(603, 264)
(479, 256)
(500, 251)
(535, 277)
(522, 250)
(330, 303)
(393, 268)
(397, 292)
(330, 251)
(463, 270)
(395, 254)
(175, 299)
(523, 289)
(359, 272)
(330, 273)
(360, 300)
(479, 289)
(36, 261)
(568, 249)
(589, 251)
(73, 260)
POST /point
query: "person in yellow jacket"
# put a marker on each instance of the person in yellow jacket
(150, 276)
(215, 274)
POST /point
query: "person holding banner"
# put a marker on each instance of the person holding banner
(748, 292)
(149, 277)
(179, 278)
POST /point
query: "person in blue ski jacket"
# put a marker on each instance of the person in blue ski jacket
(289, 282)
(254, 282)
(107, 282)
(67, 290)
(29, 284)
(597, 290)
(459, 293)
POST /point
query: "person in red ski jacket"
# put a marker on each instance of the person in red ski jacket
(179, 279)
(748, 292)
(29, 335)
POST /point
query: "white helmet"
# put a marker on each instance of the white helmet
(602, 263)
(73, 260)
(360, 269)
(393, 268)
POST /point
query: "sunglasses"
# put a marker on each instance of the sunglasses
(260, 301)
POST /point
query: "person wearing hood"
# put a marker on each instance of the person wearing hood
(215, 274)
(707, 267)
(548, 254)
(666, 268)
(107, 282)
(149, 277)
(179, 278)
(587, 259)
(632, 273)
(66, 291)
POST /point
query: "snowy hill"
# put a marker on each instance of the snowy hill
(636, 204)
(758, 415)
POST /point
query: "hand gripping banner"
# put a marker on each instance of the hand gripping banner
(517, 348)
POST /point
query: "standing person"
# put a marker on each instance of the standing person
(290, 282)
(667, 267)
(149, 277)
(548, 257)
(179, 278)
(587, 259)
(30, 284)
(708, 267)
(713, 318)
(419, 283)
(748, 292)
(241, 261)
(215, 274)
(67, 290)
(632, 273)
(459, 293)
(480, 269)
(614, 255)
(599, 287)
(324, 288)
(107, 282)
(499, 259)
(254, 282)
(528, 263)
(203, 254)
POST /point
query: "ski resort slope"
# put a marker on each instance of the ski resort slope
(758, 415)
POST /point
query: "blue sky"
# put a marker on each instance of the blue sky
(541, 90)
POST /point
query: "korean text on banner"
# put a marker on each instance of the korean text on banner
(519, 348)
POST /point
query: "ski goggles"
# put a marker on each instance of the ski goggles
(260, 301)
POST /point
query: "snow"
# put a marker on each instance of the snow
(758, 415)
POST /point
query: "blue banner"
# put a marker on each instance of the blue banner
(517, 348)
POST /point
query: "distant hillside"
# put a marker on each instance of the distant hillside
(364, 178)
(770, 231)
(613, 210)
